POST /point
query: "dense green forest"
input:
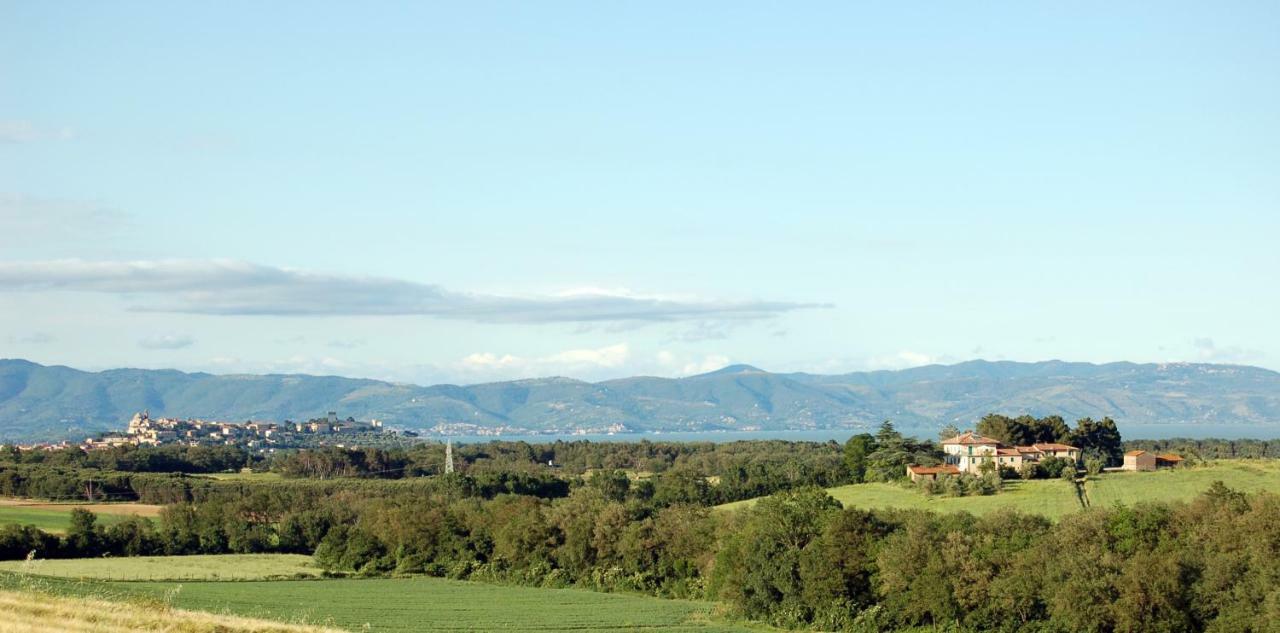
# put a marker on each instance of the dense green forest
(669, 472)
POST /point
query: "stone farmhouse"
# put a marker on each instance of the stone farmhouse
(1142, 460)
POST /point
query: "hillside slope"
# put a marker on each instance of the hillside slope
(38, 401)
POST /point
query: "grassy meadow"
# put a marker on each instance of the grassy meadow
(56, 517)
(1249, 475)
(185, 568)
(435, 604)
(377, 604)
(394, 604)
(1054, 498)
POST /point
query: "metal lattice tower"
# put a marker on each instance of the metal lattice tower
(448, 456)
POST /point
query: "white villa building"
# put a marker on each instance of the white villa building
(968, 451)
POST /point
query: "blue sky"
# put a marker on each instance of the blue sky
(475, 191)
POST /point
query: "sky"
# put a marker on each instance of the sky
(475, 191)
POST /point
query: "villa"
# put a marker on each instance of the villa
(969, 451)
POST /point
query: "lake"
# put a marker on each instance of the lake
(1265, 431)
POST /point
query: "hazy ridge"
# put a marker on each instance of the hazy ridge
(38, 401)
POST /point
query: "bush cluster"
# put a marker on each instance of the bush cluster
(963, 485)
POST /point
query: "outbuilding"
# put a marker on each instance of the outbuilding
(916, 473)
(1139, 460)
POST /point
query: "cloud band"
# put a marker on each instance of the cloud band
(229, 287)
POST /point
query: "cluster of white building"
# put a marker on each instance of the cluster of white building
(968, 452)
(144, 430)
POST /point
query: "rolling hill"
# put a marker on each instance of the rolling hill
(47, 402)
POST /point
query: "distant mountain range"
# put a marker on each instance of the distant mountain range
(51, 402)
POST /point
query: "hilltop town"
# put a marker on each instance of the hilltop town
(144, 430)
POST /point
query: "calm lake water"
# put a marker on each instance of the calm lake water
(1269, 431)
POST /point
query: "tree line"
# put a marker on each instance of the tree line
(1098, 439)
(704, 473)
(795, 559)
(798, 559)
(140, 459)
(1209, 448)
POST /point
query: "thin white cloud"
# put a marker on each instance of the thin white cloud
(706, 364)
(566, 363)
(299, 364)
(611, 356)
(22, 131)
(229, 287)
(34, 338)
(591, 364)
(672, 363)
(166, 341)
(903, 360)
(702, 331)
(27, 219)
(1209, 351)
(347, 344)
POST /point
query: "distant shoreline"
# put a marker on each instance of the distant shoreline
(1130, 431)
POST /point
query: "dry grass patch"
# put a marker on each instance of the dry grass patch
(121, 508)
(184, 568)
(32, 612)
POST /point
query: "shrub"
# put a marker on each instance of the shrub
(1030, 470)
(991, 484)
(951, 486)
(1053, 466)
(927, 486)
(1093, 466)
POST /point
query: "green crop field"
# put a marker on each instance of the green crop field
(204, 567)
(380, 604)
(1054, 498)
(55, 520)
(434, 604)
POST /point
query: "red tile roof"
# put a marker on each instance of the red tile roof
(969, 438)
(1135, 453)
(1008, 451)
(934, 470)
(1050, 446)
(1169, 457)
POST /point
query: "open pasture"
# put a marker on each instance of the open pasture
(185, 568)
(434, 604)
(1248, 475)
(56, 517)
(1054, 498)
